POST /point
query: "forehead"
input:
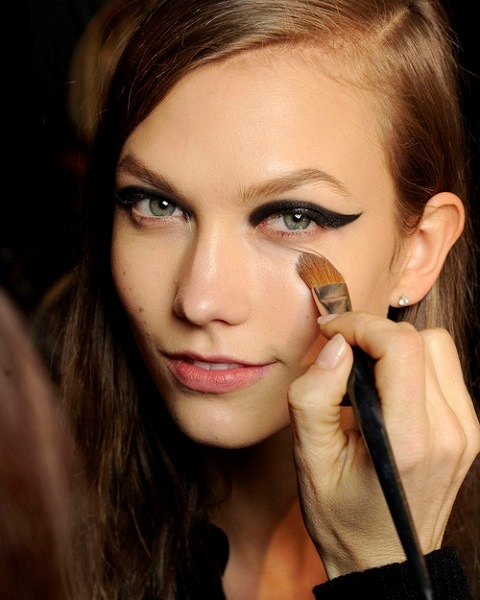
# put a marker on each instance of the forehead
(263, 112)
(264, 79)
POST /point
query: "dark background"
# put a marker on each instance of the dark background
(39, 191)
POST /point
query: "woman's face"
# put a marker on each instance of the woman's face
(243, 166)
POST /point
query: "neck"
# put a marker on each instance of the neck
(269, 545)
(263, 474)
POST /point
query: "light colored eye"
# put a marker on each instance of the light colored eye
(158, 207)
(295, 221)
(290, 221)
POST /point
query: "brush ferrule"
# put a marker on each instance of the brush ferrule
(332, 297)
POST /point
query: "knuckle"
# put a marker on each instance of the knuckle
(438, 336)
(454, 441)
(407, 340)
(406, 326)
(301, 391)
(364, 321)
(437, 332)
(475, 441)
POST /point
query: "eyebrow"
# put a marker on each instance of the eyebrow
(134, 167)
(285, 183)
(273, 187)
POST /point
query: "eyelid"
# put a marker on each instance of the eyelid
(328, 218)
(132, 194)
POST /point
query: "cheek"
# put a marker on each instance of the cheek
(140, 282)
(127, 277)
(289, 322)
(374, 300)
(371, 277)
(284, 304)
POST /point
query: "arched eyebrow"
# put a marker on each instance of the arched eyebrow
(258, 192)
(290, 181)
(132, 166)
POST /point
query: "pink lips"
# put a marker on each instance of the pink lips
(217, 375)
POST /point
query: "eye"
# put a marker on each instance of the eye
(293, 221)
(293, 217)
(145, 204)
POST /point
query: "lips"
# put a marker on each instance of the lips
(214, 375)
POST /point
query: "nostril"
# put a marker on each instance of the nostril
(178, 308)
(204, 302)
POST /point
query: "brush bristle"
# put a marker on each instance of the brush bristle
(316, 270)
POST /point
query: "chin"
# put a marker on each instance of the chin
(227, 429)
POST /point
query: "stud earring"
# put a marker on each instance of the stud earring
(403, 300)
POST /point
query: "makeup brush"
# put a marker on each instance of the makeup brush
(331, 295)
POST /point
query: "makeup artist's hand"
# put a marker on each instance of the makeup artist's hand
(431, 423)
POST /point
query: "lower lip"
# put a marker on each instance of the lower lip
(197, 379)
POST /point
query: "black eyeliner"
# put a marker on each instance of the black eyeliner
(323, 216)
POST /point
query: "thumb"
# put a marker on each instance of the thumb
(314, 403)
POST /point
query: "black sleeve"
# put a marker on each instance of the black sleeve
(393, 582)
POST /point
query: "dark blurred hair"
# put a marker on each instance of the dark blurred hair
(40, 554)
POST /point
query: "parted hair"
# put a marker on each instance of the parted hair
(154, 518)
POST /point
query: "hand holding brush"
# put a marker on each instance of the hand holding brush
(331, 295)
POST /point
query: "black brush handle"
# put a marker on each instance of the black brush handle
(364, 398)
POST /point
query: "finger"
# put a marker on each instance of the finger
(449, 375)
(314, 404)
(399, 370)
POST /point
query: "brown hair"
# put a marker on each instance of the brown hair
(154, 515)
(91, 66)
(93, 62)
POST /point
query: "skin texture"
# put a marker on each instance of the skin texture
(212, 297)
(210, 282)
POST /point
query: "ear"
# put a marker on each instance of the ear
(425, 251)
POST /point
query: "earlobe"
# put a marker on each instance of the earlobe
(440, 227)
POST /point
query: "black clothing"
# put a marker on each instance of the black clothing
(393, 582)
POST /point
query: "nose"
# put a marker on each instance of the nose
(214, 282)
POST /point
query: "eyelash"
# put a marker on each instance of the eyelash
(131, 196)
(323, 219)
(282, 209)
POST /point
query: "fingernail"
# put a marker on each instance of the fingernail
(326, 318)
(332, 352)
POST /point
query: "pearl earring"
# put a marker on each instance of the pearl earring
(403, 300)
